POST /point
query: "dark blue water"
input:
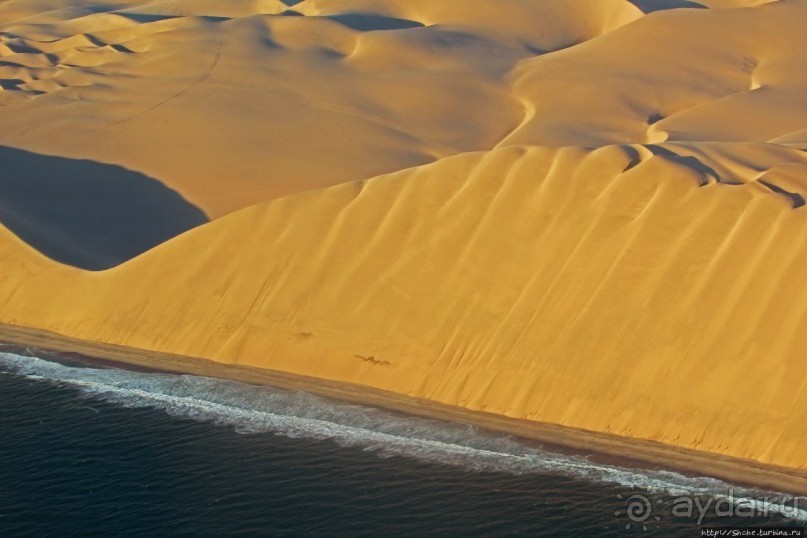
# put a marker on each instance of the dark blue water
(86, 450)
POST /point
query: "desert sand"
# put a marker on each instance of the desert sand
(578, 213)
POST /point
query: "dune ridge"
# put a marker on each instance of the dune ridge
(576, 212)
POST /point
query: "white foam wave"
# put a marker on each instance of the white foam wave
(253, 409)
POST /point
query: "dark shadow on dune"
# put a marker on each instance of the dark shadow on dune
(145, 18)
(22, 48)
(538, 51)
(693, 163)
(634, 156)
(795, 198)
(649, 6)
(101, 8)
(88, 214)
(121, 48)
(10, 83)
(369, 23)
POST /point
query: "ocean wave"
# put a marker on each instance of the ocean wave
(253, 409)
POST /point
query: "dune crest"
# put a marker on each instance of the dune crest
(585, 213)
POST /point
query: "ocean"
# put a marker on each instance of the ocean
(89, 450)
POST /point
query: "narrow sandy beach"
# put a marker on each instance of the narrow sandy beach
(606, 447)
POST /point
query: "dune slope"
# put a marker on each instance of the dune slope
(633, 302)
(584, 213)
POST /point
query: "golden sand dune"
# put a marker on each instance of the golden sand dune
(679, 89)
(632, 301)
(578, 212)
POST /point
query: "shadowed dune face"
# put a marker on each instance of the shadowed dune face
(649, 6)
(369, 23)
(87, 214)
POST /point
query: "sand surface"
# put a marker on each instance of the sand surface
(581, 213)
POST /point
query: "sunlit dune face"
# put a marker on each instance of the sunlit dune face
(586, 213)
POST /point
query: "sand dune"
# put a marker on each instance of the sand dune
(586, 213)
(635, 304)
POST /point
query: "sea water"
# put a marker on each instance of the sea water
(97, 450)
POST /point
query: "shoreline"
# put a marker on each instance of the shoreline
(607, 448)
